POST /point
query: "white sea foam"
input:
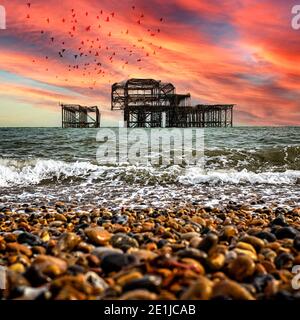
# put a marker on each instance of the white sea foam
(13, 172)
(194, 176)
(33, 172)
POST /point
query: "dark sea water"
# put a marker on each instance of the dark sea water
(254, 165)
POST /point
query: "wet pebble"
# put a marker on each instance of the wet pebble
(279, 221)
(67, 242)
(284, 260)
(241, 268)
(123, 241)
(261, 281)
(50, 265)
(98, 236)
(228, 233)
(18, 248)
(123, 279)
(192, 253)
(117, 219)
(265, 235)
(201, 289)
(176, 253)
(286, 232)
(117, 261)
(30, 239)
(150, 283)
(231, 289)
(256, 242)
(209, 242)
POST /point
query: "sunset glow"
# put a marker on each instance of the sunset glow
(232, 51)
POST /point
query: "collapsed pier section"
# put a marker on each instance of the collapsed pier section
(77, 116)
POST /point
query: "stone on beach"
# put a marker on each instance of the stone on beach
(63, 252)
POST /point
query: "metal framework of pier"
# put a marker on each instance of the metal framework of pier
(150, 103)
(77, 116)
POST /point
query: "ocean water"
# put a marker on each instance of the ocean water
(244, 165)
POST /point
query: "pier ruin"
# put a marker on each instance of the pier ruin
(150, 103)
(77, 116)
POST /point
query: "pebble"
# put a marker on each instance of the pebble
(50, 265)
(189, 235)
(249, 253)
(231, 289)
(246, 246)
(98, 236)
(286, 232)
(265, 235)
(279, 221)
(116, 261)
(192, 253)
(128, 277)
(284, 260)
(142, 254)
(67, 242)
(209, 242)
(19, 248)
(119, 219)
(201, 289)
(96, 281)
(60, 217)
(228, 233)
(261, 281)
(17, 267)
(101, 252)
(30, 239)
(195, 265)
(150, 283)
(123, 241)
(241, 268)
(256, 242)
(216, 261)
(66, 252)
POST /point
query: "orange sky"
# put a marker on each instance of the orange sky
(229, 51)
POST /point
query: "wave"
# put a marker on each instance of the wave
(19, 173)
(254, 159)
(193, 176)
(32, 172)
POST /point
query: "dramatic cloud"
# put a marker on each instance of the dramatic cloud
(229, 51)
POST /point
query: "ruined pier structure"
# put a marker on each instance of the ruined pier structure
(76, 116)
(150, 103)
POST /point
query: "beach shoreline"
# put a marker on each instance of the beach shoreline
(59, 251)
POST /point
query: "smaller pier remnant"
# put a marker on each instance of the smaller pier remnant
(77, 116)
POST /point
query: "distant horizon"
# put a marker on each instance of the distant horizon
(211, 128)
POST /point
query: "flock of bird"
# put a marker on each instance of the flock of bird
(94, 57)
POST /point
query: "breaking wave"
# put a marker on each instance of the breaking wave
(32, 172)
(36, 172)
(193, 177)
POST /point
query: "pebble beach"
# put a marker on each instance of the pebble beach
(74, 229)
(64, 252)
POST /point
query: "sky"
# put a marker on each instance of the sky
(220, 51)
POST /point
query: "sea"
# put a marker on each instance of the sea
(251, 166)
